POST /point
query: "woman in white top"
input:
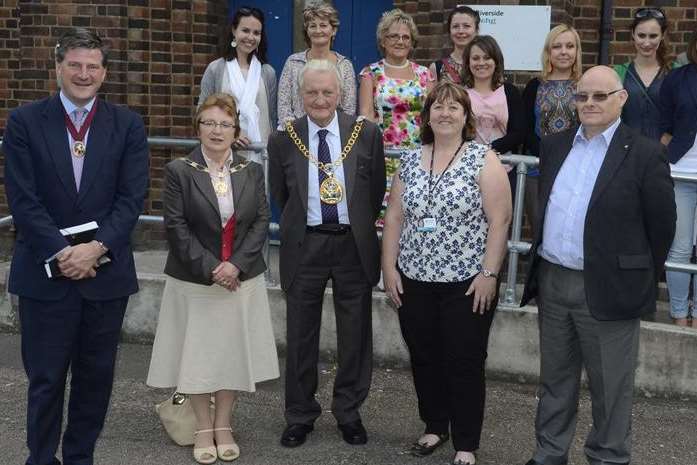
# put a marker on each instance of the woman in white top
(443, 244)
(242, 72)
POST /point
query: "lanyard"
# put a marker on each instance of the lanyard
(432, 188)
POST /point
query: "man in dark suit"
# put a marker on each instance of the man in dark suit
(609, 219)
(71, 159)
(327, 174)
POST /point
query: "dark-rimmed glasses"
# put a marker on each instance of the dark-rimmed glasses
(597, 97)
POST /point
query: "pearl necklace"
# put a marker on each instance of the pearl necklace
(402, 66)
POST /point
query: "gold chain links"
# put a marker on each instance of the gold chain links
(233, 169)
(326, 167)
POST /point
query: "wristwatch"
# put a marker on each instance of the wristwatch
(489, 274)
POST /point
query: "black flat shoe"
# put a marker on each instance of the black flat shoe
(422, 450)
(295, 435)
(353, 433)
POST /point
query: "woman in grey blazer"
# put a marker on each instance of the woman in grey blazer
(214, 334)
(242, 71)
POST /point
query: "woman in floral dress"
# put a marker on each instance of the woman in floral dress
(393, 90)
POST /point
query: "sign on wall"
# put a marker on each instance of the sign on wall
(519, 30)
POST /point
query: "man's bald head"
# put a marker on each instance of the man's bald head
(604, 96)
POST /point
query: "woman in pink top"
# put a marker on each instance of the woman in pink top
(497, 106)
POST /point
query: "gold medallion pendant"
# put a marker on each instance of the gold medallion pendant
(220, 187)
(330, 191)
(79, 149)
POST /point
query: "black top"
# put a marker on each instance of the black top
(641, 110)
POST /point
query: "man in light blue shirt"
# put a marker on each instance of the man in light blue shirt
(609, 220)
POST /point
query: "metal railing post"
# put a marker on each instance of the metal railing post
(509, 296)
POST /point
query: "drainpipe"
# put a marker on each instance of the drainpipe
(606, 31)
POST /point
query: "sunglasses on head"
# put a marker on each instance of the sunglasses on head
(655, 13)
(582, 97)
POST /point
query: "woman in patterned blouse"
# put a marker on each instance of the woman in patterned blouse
(548, 101)
(442, 247)
(393, 90)
(463, 25)
(321, 23)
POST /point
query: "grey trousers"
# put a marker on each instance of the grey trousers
(571, 339)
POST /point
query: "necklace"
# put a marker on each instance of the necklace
(330, 190)
(402, 66)
(220, 184)
(455, 60)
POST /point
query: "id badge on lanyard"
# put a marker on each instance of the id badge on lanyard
(426, 224)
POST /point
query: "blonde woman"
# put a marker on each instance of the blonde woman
(393, 90)
(320, 25)
(548, 99)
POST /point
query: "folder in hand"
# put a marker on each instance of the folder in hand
(79, 234)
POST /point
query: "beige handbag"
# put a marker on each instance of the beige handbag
(177, 417)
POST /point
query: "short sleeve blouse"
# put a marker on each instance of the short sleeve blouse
(454, 251)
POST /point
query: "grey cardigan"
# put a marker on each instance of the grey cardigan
(212, 82)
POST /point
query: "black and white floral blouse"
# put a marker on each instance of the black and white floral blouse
(454, 251)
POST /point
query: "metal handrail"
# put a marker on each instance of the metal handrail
(516, 246)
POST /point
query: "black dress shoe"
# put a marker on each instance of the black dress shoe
(421, 450)
(532, 462)
(295, 435)
(354, 433)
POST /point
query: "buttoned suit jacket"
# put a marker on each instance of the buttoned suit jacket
(43, 197)
(629, 224)
(194, 228)
(364, 172)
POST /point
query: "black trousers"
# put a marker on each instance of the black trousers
(325, 257)
(448, 348)
(71, 333)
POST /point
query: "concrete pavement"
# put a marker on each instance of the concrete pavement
(664, 430)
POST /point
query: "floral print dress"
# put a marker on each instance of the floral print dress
(398, 104)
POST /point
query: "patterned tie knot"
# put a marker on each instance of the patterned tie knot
(78, 115)
(322, 133)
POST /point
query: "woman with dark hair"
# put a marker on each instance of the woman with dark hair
(320, 26)
(643, 75)
(497, 106)
(242, 72)
(442, 247)
(214, 334)
(678, 101)
(463, 26)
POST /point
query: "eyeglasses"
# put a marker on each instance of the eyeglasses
(394, 38)
(656, 13)
(582, 97)
(210, 124)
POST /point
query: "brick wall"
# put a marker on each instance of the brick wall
(159, 51)
(161, 47)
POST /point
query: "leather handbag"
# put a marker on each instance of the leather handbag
(178, 419)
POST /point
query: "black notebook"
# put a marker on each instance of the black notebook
(80, 234)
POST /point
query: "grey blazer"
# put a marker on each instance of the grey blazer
(364, 171)
(212, 82)
(193, 226)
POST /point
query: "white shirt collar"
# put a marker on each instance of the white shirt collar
(70, 106)
(332, 127)
(607, 134)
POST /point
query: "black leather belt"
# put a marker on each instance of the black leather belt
(330, 228)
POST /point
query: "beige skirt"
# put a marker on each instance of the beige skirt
(209, 338)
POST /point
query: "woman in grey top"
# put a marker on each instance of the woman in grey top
(321, 22)
(242, 72)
